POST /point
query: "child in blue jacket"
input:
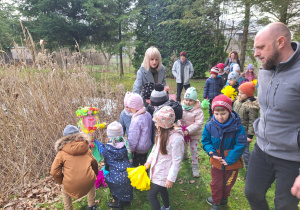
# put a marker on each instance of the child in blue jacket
(212, 87)
(224, 139)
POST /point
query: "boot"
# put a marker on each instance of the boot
(211, 202)
(164, 208)
(94, 207)
(216, 207)
(116, 204)
(195, 169)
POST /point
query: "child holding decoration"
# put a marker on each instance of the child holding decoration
(89, 123)
(212, 87)
(116, 155)
(247, 108)
(231, 90)
(165, 158)
(74, 161)
(224, 140)
(140, 130)
(192, 122)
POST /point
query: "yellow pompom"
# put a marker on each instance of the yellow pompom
(229, 91)
(139, 178)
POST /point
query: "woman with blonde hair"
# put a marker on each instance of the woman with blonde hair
(151, 70)
(233, 57)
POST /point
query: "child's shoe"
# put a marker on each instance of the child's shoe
(164, 208)
(195, 169)
(115, 205)
(211, 202)
(216, 207)
(94, 207)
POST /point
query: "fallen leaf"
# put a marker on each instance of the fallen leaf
(192, 181)
(182, 190)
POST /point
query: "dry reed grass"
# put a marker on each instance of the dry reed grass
(36, 106)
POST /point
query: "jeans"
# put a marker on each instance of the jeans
(152, 195)
(263, 170)
(179, 90)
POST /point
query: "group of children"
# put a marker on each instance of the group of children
(167, 127)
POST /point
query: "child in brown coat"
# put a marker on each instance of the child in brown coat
(75, 167)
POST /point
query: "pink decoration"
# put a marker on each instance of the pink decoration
(186, 138)
(100, 180)
(89, 121)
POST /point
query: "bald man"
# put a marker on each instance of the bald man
(276, 154)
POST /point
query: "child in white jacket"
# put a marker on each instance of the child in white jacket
(192, 123)
(165, 158)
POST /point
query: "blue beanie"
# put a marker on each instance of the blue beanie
(250, 66)
(70, 129)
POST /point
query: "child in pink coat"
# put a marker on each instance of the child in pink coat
(165, 158)
(192, 123)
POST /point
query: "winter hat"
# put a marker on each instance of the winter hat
(214, 70)
(183, 53)
(135, 101)
(147, 89)
(236, 67)
(223, 101)
(165, 117)
(114, 129)
(191, 93)
(250, 66)
(248, 88)
(127, 95)
(233, 76)
(70, 129)
(221, 65)
(158, 95)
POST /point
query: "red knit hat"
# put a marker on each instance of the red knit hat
(221, 65)
(223, 101)
(248, 88)
(183, 53)
(214, 70)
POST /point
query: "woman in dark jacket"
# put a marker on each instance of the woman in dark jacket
(233, 57)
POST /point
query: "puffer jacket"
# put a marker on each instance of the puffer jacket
(232, 138)
(74, 165)
(143, 76)
(193, 120)
(188, 71)
(139, 135)
(277, 129)
(125, 121)
(166, 167)
(248, 111)
(212, 87)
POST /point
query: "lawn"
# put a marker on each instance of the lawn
(187, 192)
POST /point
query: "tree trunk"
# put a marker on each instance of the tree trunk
(284, 12)
(245, 33)
(120, 47)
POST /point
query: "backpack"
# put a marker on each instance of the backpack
(176, 107)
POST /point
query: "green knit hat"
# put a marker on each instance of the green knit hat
(191, 93)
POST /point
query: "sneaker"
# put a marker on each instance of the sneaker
(94, 207)
(195, 169)
(164, 208)
(216, 207)
(210, 201)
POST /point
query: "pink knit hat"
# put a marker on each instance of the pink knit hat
(165, 117)
(127, 95)
(135, 101)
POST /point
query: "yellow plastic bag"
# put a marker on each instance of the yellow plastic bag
(139, 178)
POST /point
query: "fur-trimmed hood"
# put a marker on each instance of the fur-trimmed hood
(74, 144)
(251, 103)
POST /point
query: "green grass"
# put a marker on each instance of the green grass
(186, 195)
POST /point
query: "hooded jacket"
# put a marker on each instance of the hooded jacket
(74, 165)
(232, 138)
(193, 120)
(248, 111)
(143, 76)
(278, 127)
(212, 87)
(188, 71)
(166, 167)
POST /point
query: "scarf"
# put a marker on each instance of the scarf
(187, 107)
(141, 111)
(224, 125)
(155, 74)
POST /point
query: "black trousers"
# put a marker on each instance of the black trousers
(139, 159)
(179, 90)
(210, 110)
(263, 170)
(152, 195)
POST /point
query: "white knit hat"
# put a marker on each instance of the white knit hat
(114, 129)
